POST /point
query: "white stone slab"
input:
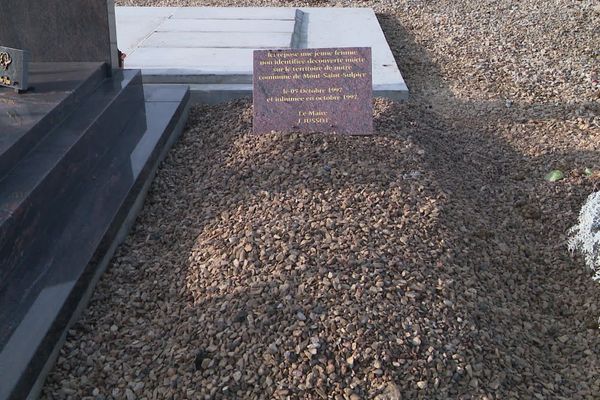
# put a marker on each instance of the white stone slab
(225, 25)
(145, 12)
(135, 24)
(326, 30)
(206, 45)
(235, 13)
(233, 40)
(200, 60)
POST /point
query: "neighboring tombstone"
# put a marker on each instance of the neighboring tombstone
(313, 90)
(585, 236)
(14, 68)
(60, 30)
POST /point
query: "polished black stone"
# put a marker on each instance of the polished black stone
(61, 207)
(66, 154)
(55, 89)
(57, 30)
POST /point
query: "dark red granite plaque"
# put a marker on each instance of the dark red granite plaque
(313, 90)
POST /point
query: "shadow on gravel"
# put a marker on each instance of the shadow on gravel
(535, 314)
(526, 311)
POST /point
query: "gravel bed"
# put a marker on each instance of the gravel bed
(428, 261)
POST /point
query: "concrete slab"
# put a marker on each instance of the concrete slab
(213, 45)
(196, 61)
(217, 40)
(236, 13)
(226, 25)
(135, 24)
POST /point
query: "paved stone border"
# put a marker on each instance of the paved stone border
(208, 46)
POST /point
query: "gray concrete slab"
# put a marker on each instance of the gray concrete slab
(196, 61)
(135, 24)
(281, 13)
(213, 45)
(217, 40)
(225, 25)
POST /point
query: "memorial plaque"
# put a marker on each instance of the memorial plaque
(14, 66)
(313, 90)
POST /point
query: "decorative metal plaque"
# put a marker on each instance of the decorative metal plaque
(14, 68)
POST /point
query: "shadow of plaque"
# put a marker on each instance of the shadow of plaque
(313, 90)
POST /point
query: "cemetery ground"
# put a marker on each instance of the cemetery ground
(427, 261)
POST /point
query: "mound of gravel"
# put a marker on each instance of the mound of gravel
(428, 261)
(325, 266)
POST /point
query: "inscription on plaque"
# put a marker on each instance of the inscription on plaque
(14, 66)
(313, 90)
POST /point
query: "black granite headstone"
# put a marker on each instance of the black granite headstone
(14, 68)
(60, 30)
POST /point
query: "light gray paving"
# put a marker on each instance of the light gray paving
(213, 45)
(173, 61)
(217, 40)
(135, 24)
(226, 25)
(235, 13)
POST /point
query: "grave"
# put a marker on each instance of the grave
(78, 150)
(79, 147)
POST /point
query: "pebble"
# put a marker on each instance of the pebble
(129, 394)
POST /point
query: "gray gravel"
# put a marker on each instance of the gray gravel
(428, 261)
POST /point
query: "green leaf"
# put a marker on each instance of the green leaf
(588, 172)
(555, 175)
